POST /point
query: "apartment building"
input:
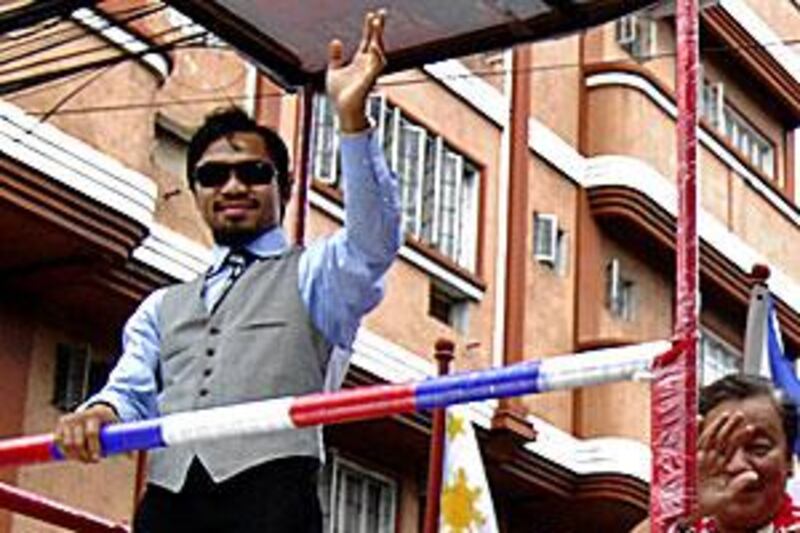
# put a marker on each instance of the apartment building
(96, 213)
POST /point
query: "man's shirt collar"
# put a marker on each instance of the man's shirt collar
(269, 244)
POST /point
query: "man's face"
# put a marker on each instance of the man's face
(236, 211)
(763, 453)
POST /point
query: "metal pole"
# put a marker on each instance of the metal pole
(54, 513)
(673, 494)
(443, 355)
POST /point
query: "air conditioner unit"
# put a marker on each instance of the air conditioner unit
(545, 238)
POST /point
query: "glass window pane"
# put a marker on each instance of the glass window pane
(323, 131)
(429, 190)
(353, 502)
(364, 502)
(468, 216)
(388, 133)
(408, 172)
(716, 359)
(451, 167)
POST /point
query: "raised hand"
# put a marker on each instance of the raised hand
(348, 84)
(717, 444)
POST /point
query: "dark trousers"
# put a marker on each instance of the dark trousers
(275, 497)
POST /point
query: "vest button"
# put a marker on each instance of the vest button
(214, 330)
(203, 392)
(207, 372)
(210, 352)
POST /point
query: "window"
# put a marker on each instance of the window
(325, 143)
(76, 375)
(716, 358)
(750, 143)
(712, 103)
(355, 500)
(449, 307)
(409, 165)
(636, 34)
(438, 184)
(759, 151)
(619, 292)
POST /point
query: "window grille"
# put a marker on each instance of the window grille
(357, 500)
(438, 184)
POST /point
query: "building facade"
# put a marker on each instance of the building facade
(539, 202)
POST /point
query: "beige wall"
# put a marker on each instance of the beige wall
(782, 17)
(623, 409)
(647, 133)
(124, 134)
(555, 86)
(550, 294)
(773, 234)
(623, 121)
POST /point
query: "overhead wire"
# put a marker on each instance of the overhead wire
(36, 79)
(74, 92)
(32, 13)
(25, 84)
(26, 54)
(386, 83)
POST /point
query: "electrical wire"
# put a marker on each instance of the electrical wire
(36, 79)
(23, 84)
(26, 54)
(33, 13)
(405, 82)
(46, 86)
(74, 92)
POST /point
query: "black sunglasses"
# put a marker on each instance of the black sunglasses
(247, 172)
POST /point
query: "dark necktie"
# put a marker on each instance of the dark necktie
(237, 261)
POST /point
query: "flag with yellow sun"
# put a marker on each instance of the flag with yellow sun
(466, 503)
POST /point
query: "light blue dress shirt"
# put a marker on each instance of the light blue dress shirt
(340, 280)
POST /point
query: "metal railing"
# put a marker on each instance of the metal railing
(55, 513)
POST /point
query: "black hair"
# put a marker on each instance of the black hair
(229, 120)
(742, 387)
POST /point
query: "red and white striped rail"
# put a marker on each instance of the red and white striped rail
(555, 373)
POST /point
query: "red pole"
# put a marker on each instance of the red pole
(303, 157)
(673, 495)
(444, 355)
(55, 513)
(141, 478)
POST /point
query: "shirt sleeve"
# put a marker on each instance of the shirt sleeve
(341, 277)
(132, 386)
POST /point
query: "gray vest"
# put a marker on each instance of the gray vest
(258, 343)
